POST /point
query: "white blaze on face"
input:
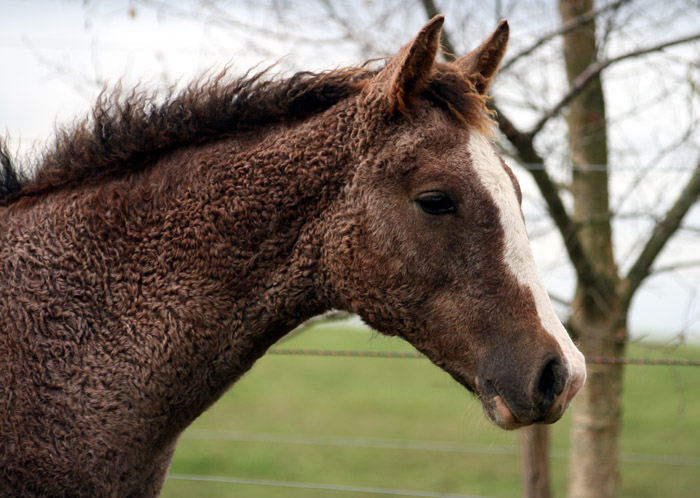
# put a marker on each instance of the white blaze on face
(518, 253)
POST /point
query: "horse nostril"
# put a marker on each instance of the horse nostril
(551, 383)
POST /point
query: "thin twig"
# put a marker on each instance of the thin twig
(677, 266)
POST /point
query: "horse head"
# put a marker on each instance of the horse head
(428, 241)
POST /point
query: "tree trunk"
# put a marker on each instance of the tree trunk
(595, 433)
(597, 320)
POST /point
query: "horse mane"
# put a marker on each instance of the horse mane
(126, 132)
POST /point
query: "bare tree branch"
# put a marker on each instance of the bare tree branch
(661, 235)
(559, 300)
(366, 43)
(212, 13)
(677, 266)
(594, 70)
(565, 28)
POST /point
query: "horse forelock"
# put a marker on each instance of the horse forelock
(456, 93)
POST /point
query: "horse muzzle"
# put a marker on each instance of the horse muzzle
(541, 399)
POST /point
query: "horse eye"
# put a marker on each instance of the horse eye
(436, 203)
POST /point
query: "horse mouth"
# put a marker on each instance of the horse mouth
(497, 411)
(501, 409)
(495, 407)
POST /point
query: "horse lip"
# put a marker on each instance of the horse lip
(496, 407)
(506, 417)
(497, 411)
(491, 401)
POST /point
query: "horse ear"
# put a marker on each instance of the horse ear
(481, 64)
(409, 72)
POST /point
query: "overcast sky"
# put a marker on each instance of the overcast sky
(57, 55)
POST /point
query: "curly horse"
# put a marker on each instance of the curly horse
(165, 243)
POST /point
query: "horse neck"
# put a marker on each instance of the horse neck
(244, 222)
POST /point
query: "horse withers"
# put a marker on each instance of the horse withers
(162, 246)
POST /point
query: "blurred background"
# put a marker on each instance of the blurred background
(626, 181)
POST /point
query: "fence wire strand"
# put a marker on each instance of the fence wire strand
(317, 486)
(599, 360)
(376, 443)
(412, 445)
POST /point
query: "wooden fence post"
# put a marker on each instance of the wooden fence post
(534, 451)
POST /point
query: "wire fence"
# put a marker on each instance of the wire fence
(322, 487)
(404, 444)
(413, 355)
(417, 445)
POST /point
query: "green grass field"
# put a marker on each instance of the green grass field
(403, 424)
